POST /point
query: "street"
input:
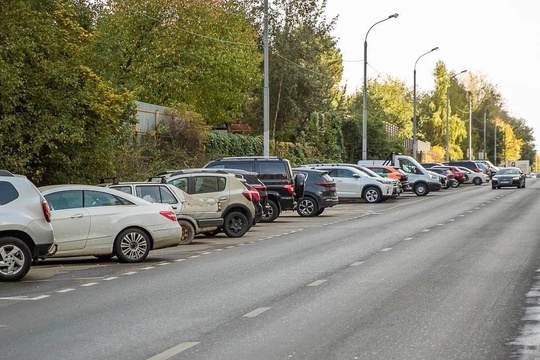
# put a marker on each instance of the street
(453, 275)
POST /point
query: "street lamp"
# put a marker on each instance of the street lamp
(447, 120)
(470, 126)
(364, 93)
(414, 101)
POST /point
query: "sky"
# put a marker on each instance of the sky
(498, 39)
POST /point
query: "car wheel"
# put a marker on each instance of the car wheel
(307, 207)
(272, 213)
(132, 245)
(188, 232)
(477, 181)
(421, 189)
(319, 212)
(236, 224)
(15, 259)
(455, 184)
(372, 195)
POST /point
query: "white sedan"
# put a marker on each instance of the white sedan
(92, 220)
(472, 177)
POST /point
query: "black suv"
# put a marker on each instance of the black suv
(319, 193)
(275, 172)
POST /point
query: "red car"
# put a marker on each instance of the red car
(459, 175)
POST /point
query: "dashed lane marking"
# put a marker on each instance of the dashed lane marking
(130, 273)
(358, 263)
(65, 290)
(174, 351)
(316, 283)
(89, 284)
(256, 312)
(387, 249)
(111, 278)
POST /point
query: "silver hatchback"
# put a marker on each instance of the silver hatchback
(26, 234)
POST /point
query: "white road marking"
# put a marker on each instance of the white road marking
(88, 284)
(316, 283)
(440, 224)
(408, 238)
(195, 256)
(450, 220)
(256, 312)
(461, 215)
(386, 249)
(218, 250)
(357, 263)
(426, 230)
(229, 247)
(178, 260)
(240, 244)
(148, 268)
(65, 290)
(174, 351)
(206, 253)
(163, 264)
(130, 273)
(110, 278)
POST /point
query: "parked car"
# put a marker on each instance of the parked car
(445, 182)
(472, 177)
(101, 222)
(26, 233)
(450, 178)
(237, 209)
(471, 165)
(195, 215)
(508, 177)
(355, 184)
(319, 192)
(459, 175)
(275, 172)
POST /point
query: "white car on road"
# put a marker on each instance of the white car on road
(101, 222)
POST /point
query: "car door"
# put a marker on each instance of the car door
(214, 187)
(70, 220)
(106, 212)
(348, 183)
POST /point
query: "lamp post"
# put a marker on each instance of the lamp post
(485, 120)
(495, 145)
(414, 102)
(470, 126)
(447, 119)
(364, 92)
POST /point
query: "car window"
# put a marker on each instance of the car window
(8, 193)
(148, 193)
(123, 188)
(62, 200)
(345, 173)
(98, 198)
(181, 183)
(242, 165)
(272, 170)
(207, 184)
(408, 166)
(166, 196)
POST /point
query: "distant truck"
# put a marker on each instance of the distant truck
(523, 165)
(420, 181)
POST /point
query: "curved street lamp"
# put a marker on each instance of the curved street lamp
(364, 92)
(447, 114)
(414, 102)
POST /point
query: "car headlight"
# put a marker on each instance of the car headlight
(386, 182)
(515, 178)
(434, 177)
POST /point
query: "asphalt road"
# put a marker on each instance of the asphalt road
(454, 275)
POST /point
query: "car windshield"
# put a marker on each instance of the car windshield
(508, 172)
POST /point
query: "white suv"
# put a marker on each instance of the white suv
(353, 183)
(26, 234)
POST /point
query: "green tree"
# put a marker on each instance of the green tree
(201, 53)
(59, 122)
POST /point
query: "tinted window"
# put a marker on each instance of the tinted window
(62, 200)
(273, 170)
(8, 193)
(242, 165)
(207, 184)
(98, 198)
(166, 196)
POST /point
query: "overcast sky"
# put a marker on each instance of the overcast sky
(499, 39)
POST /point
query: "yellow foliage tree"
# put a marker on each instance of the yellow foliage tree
(511, 144)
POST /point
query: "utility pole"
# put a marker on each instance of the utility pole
(266, 94)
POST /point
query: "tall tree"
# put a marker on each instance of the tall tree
(202, 53)
(59, 122)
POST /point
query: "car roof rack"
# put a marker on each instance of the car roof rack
(113, 179)
(250, 158)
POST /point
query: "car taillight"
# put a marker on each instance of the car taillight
(256, 195)
(289, 188)
(248, 195)
(260, 188)
(46, 210)
(326, 184)
(169, 214)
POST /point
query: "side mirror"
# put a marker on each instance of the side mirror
(299, 185)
